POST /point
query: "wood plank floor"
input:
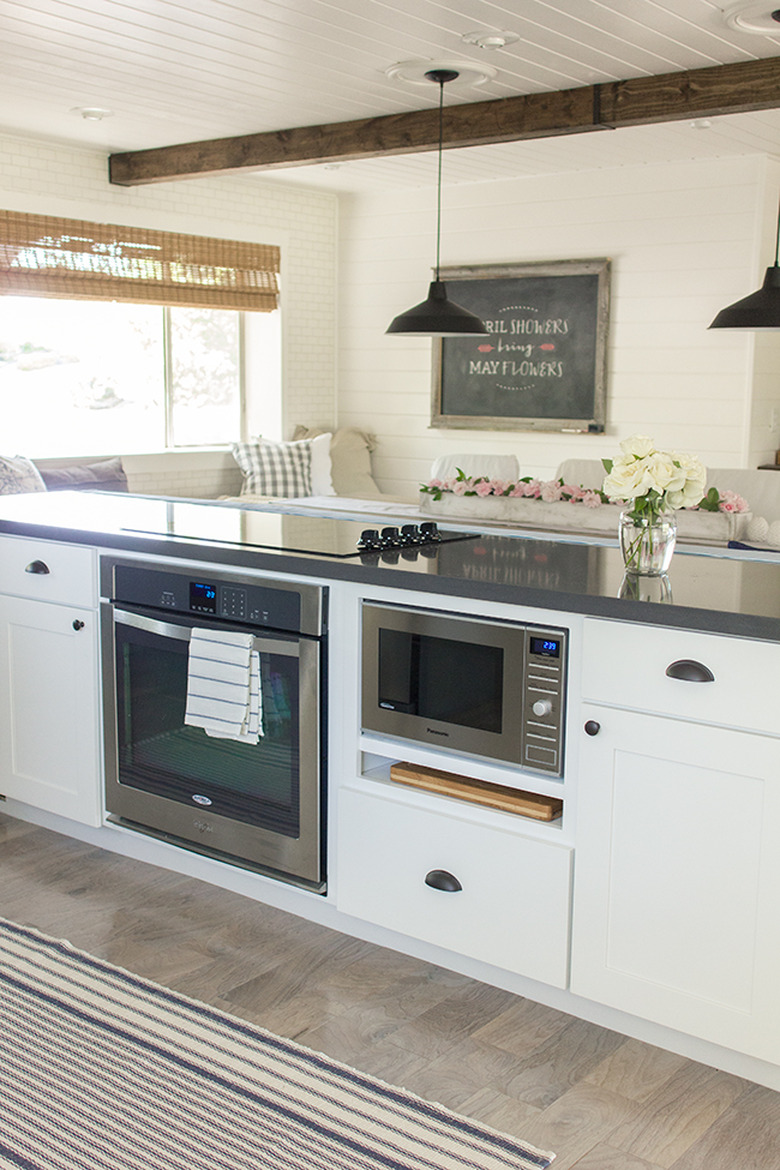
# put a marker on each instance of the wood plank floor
(600, 1100)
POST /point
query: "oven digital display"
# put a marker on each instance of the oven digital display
(203, 598)
(547, 647)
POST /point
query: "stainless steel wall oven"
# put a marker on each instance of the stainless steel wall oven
(260, 806)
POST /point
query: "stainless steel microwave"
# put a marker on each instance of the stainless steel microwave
(470, 685)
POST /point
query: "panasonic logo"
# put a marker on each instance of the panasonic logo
(434, 731)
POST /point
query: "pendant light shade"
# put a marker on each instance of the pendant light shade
(437, 315)
(761, 310)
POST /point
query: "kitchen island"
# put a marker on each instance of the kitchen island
(651, 904)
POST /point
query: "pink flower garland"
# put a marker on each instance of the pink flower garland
(549, 491)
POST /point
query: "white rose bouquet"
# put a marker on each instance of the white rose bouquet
(653, 482)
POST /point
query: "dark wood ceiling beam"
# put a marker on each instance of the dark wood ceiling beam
(697, 93)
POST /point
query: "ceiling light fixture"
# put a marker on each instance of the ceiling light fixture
(490, 40)
(92, 113)
(467, 74)
(437, 316)
(761, 310)
(754, 16)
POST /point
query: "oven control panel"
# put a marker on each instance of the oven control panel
(254, 604)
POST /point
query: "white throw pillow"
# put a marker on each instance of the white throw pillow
(321, 477)
(274, 469)
(18, 475)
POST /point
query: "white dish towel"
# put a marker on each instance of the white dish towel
(224, 695)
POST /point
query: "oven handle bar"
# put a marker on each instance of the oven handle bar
(151, 625)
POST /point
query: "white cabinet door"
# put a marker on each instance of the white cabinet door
(677, 877)
(508, 905)
(49, 729)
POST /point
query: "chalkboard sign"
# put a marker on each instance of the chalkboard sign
(542, 366)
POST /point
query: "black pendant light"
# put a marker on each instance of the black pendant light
(437, 316)
(761, 310)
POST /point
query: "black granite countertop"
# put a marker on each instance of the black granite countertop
(712, 590)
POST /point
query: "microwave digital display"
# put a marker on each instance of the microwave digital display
(546, 647)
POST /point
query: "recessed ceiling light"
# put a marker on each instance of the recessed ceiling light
(754, 16)
(702, 124)
(490, 39)
(469, 72)
(92, 113)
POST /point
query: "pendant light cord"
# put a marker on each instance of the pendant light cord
(438, 182)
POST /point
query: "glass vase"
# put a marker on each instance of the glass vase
(647, 544)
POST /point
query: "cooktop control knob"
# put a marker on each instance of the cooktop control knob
(369, 540)
(391, 537)
(429, 531)
(410, 534)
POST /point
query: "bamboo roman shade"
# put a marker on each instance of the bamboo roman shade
(44, 256)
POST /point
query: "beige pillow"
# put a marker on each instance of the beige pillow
(18, 475)
(350, 460)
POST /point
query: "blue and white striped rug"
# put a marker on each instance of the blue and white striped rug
(102, 1070)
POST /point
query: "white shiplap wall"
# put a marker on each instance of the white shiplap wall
(37, 176)
(685, 239)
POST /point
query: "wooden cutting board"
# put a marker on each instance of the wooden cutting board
(525, 804)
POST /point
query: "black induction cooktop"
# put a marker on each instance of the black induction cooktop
(323, 536)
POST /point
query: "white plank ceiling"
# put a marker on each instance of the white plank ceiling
(176, 71)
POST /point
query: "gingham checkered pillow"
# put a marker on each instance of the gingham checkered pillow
(274, 469)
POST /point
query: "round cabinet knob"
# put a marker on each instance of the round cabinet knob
(592, 727)
(78, 625)
(542, 707)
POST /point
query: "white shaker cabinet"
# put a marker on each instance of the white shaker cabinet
(49, 648)
(677, 875)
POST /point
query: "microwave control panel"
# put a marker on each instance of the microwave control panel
(544, 706)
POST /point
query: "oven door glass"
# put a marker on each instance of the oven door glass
(254, 784)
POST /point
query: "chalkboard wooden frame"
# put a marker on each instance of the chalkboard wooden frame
(551, 328)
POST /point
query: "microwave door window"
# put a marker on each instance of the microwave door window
(399, 660)
(258, 784)
(441, 679)
(461, 683)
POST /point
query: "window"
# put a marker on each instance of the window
(120, 339)
(86, 377)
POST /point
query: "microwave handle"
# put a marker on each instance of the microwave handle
(182, 633)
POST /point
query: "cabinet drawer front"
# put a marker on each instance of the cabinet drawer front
(48, 571)
(512, 910)
(626, 664)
